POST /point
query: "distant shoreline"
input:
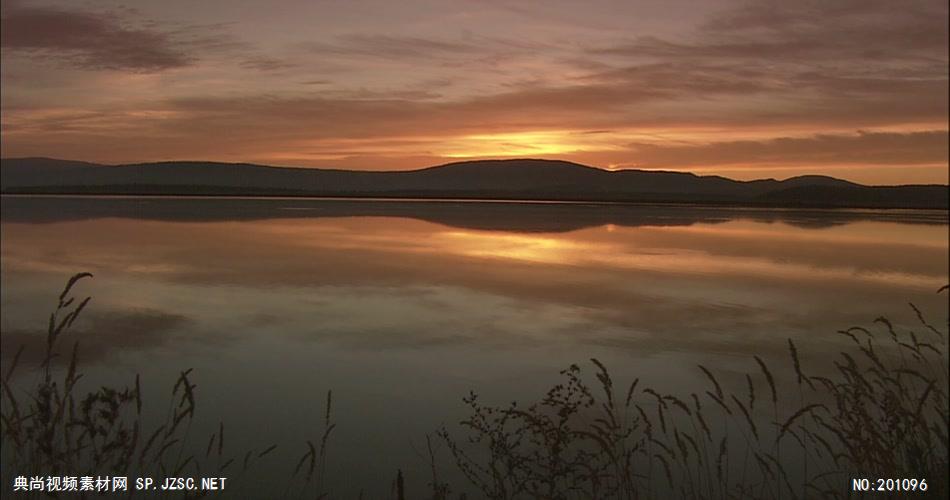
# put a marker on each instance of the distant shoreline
(464, 199)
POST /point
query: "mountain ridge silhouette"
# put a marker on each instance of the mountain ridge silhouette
(529, 179)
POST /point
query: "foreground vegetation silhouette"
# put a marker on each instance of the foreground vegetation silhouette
(796, 430)
(880, 413)
(51, 428)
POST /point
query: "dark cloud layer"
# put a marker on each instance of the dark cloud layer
(89, 40)
(810, 32)
(836, 62)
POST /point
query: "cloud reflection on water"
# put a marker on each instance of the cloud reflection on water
(374, 282)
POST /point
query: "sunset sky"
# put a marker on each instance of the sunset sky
(856, 89)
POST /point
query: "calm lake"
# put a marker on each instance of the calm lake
(403, 307)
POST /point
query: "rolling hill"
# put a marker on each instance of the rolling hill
(529, 179)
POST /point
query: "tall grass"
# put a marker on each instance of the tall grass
(878, 410)
(52, 428)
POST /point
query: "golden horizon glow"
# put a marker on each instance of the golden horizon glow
(552, 143)
(512, 144)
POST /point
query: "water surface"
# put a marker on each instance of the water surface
(403, 307)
